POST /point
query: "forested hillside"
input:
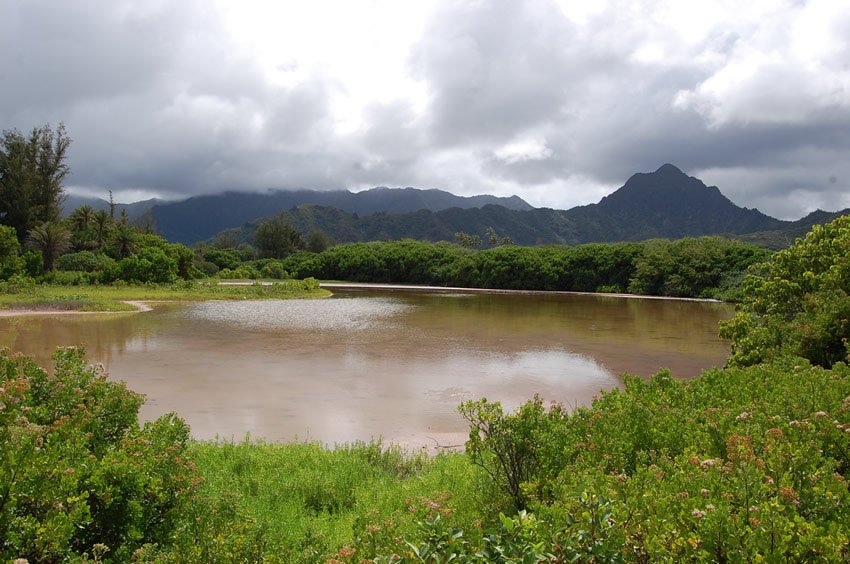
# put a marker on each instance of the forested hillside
(202, 217)
(664, 204)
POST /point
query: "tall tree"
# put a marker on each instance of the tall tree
(102, 223)
(277, 239)
(32, 169)
(82, 217)
(124, 240)
(81, 221)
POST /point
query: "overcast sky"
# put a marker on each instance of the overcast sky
(558, 102)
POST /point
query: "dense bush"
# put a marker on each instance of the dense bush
(740, 464)
(151, 264)
(84, 261)
(33, 264)
(70, 277)
(222, 258)
(798, 302)
(76, 468)
(271, 268)
(698, 267)
(242, 272)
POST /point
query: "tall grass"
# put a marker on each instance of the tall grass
(311, 501)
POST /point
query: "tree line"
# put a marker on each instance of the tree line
(695, 267)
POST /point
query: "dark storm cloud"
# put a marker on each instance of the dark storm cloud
(519, 98)
(156, 98)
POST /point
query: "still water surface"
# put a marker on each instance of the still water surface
(369, 363)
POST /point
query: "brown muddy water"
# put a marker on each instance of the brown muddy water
(367, 364)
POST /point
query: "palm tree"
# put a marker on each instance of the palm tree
(124, 240)
(82, 234)
(102, 222)
(81, 217)
(51, 239)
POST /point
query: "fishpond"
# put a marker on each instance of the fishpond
(372, 363)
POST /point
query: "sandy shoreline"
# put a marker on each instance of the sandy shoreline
(140, 307)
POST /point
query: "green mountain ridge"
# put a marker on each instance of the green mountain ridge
(663, 204)
(201, 217)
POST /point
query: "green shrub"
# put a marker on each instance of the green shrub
(84, 261)
(209, 269)
(274, 269)
(69, 278)
(33, 264)
(739, 464)
(223, 258)
(76, 467)
(151, 264)
(243, 272)
(798, 302)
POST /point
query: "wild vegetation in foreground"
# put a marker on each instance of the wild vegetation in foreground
(750, 462)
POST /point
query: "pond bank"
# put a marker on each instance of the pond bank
(461, 290)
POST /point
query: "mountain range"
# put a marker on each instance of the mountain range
(666, 203)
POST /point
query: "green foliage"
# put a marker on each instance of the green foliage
(207, 269)
(242, 272)
(277, 239)
(84, 261)
(707, 266)
(10, 262)
(746, 464)
(271, 268)
(102, 226)
(508, 447)
(318, 241)
(798, 302)
(84, 235)
(494, 240)
(151, 264)
(351, 502)
(123, 240)
(32, 169)
(77, 470)
(222, 258)
(467, 241)
(185, 259)
(70, 278)
(9, 245)
(51, 239)
(33, 263)
(696, 267)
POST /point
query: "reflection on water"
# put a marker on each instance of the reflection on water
(345, 314)
(369, 363)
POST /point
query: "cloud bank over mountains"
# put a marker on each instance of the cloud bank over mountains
(557, 102)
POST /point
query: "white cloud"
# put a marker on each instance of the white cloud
(787, 69)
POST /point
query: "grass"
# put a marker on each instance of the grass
(312, 501)
(112, 298)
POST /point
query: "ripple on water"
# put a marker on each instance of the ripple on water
(344, 314)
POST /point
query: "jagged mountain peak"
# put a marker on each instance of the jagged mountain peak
(667, 186)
